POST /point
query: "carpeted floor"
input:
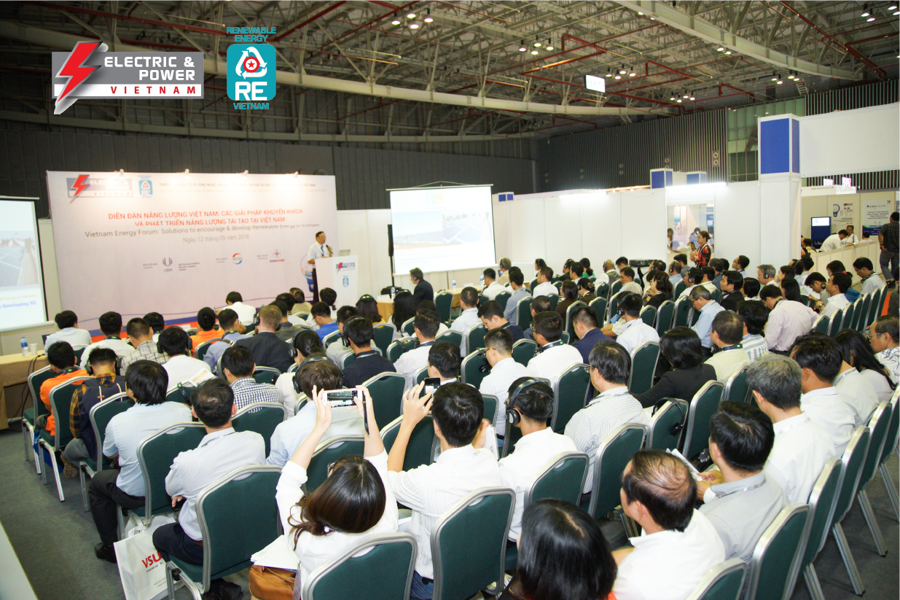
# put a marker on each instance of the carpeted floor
(54, 541)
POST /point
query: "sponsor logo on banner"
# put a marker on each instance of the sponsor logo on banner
(277, 258)
(146, 187)
(236, 258)
(89, 71)
(346, 281)
(167, 262)
(85, 186)
(346, 266)
(251, 75)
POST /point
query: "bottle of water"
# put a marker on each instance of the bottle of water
(24, 344)
(393, 292)
(482, 281)
(454, 285)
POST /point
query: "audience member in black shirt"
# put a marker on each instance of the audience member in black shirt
(491, 314)
(586, 290)
(681, 347)
(423, 289)
(569, 292)
(732, 282)
(587, 330)
(660, 289)
(267, 349)
(358, 333)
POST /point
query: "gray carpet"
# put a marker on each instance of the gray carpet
(54, 541)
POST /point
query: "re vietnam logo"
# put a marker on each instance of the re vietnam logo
(251, 75)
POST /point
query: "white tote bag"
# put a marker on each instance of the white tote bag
(141, 569)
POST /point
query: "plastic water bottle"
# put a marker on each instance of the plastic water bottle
(482, 281)
(24, 344)
(393, 291)
(454, 285)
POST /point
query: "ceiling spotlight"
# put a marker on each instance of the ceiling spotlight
(608, 72)
(618, 76)
(428, 18)
(411, 16)
(678, 101)
(779, 82)
(622, 70)
(870, 19)
(395, 22)
(672, 99)
(720, 49)
(535, 52)
(413, 25)
(522, 47)
(693, 98)
(865, 12)
(537, 43)
(549, 45)
(774, 77)
(728, 52)
(896, 12)
(631, 71)
(685, 95)
(892, 7)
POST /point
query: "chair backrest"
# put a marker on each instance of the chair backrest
(879, 423)
(101, 414)
(490, 407)
(716, 295)
(773, 566)
(876, 305)
(157, 453)
(237, 519)
(736, 388)
(386, 390)
(383, 336)
(609, 463)
(704, 405)
(266, 375)
(616, 286)
(176, 394)
(570, 326)
(523, 312)
(502, 298)
(398, 348)
(603, 290)
(379, 567)
(851, 468)
(849, 314)
(329, 451)
(34, 382)
(837, 321)
(569, 394)
(682, 316)
(513, 435)
(664, 316)
(421, 448)
(454, 337)
(408, 327)
(532, 284)
(331, 337)
(863, 304)
(554, 301)
(723, 582)
(261, 417)
(475, 337)
(890, 442)
(79, 352)
(461, 568)
(648, 315)
(60, 405)
(666, 425)
(523, 351)
(443, 301)
(679, 287)
(643, 366)
(561, 478)
(598, 305)
(421, 374)
(822, 324)
(474, 368)
(346, 359)
(612, 307)
(822, 499)
(201, 349)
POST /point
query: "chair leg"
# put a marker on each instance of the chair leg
(40, 460)
(889, 485)
(25, 438)
(170, 583)
(871, 521)
(847, 556)
(812, 583)
(84, 493)
(55, 466)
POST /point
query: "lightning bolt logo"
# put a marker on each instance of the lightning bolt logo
(76, 73)
(79, 186)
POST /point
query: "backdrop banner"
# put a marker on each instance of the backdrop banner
(174, 243)
(875, 214)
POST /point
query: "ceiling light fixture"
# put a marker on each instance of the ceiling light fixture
(395, 22)
(728, 52)
(720, 49)
(685, 95)
(411, 16)
(870, 19)
(413, 25)
(631, 71)
(618, 76)
(892, 7)
(865, 12)
(672, 99)
(608, 72)
(549, 44)
(522, 47)
(622, 70)
(428, 18)
(537, 43)
(678, 101)
(535, 52)
(693, 97)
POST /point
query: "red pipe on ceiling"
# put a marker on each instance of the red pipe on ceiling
(373, 21)
(98, 13)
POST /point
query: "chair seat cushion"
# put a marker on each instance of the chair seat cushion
(47, 438)
(28, 415)
(512, 557)
(90, 463)
(192, 572)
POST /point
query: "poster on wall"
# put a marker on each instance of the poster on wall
(841, 215)
(876, 213)
(174, 243)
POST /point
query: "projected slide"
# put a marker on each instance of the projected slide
(442, 229)
(21, 289)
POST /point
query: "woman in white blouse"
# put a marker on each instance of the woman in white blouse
(355, 502)
(857, 353)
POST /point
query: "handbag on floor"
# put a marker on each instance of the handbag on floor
(269, 583)
(141, 569)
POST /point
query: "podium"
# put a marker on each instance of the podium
(340, 273)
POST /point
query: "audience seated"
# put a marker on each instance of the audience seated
(576, 271)
(267, 349)
(815, 284)
(855, 389)
(544, 287)
(321, 315)
(820, 360)
(630, 331)
(64, 367)
(629, 285)
(443, 362)
(739, 499)
(111, 328)
(538, 305)
(175, 343)
(237, 369)
(359, 334)
(837, 286)
(568, 296)
(232, 331)
(367, 306)
(246, 313)
(766, 275)
(586, 290)
(659, 289)
(857, 353)
(221, 451)
(104, 384)
(871, 281)
(286, 329)
(754, 315)
(329, 297)
(680, 346)
(701, 300)
(674, 273)
(719, 265)
(751, 288)
(740, 265)
(426, 326)
(503, 271)
(67, 322)
(430, 490)
(732, 282)
(404, 310)
(141, 338)
(584, 322)
(884, 334)
(289, 301)
(790, 290)
(504, 371)
(431, 308)
(491, 286)
(516, 286)
(422, 290)
(146, 383)
(679, 544)
(693, 278)
(801, 447)
(726, 335)
(468, 316)
(552, 357)
(491, 315)
(305, 344)
(300, 303)
(612, 408)
(338, 348)
(311, 379)
(788, 320)
(156, 322)
(206, 321)
(784, 271)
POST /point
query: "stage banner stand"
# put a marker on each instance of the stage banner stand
(340, 273)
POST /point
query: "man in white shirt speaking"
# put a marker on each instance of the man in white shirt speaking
(504, 370)
(318, 250)
(552, 357)
(678, 544)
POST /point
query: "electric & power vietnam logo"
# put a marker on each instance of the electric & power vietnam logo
(251, 75)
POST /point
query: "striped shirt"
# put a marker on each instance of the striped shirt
(755, 345)
(145, 351)
(247, 392)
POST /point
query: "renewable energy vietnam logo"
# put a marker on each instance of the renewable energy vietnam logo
(251, 75)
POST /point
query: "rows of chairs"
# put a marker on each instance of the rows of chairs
(857, 316)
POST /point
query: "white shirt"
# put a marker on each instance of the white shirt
(727, 362)
(872, 283)
(632, 287)
(850, 239)
(591, 425)
(288, 435)
(497, 384)
(551, 363)
(120, 347)
(832, 242)
(635, 333)
(545, 289)
(709, 285)
(410, 362)
(600, 277)
(245, 313)
(127, 430)
(182, 367)
(491, 291)
(431, 490)
(754, 345)
(217, 455)
(532, 454)
(77, 338)
(858, 393)
(289, 396)
(879, 383)
(336, 350)
(827, 409)
(834, 304)
(686, 291)
(890, 358)
(463, 323)
(668, 565)
(798, 456)
(317, 251)
(316, 550)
